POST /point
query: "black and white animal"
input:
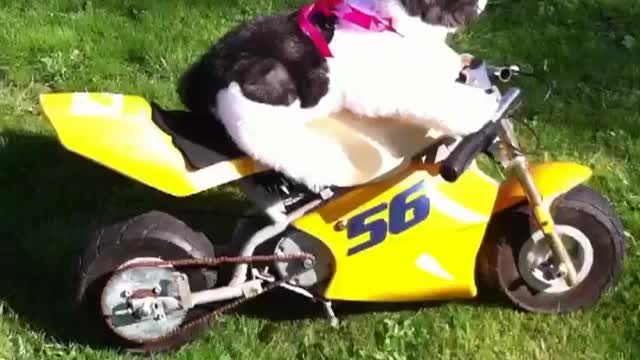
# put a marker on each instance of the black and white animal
(266, 80)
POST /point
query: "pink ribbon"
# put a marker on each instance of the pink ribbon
(348, 13)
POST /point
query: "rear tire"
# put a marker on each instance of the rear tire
(598, 233)
(154, 234)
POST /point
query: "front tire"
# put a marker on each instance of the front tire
(514, 258)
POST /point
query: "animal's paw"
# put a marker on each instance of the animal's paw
(466, 59)
(313, 85)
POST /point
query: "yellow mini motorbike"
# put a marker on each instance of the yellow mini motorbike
(425, 223)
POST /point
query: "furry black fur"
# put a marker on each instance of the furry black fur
(270, 57)
(275, 63)
(449, 13)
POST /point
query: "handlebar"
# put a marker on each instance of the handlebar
(473, 144)
(469, 147)
(482, 75)
(485, 76)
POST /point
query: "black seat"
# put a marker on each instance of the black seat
(202, 140)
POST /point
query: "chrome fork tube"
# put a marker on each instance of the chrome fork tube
(517, 163)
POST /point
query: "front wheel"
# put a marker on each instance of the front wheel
(515, 260)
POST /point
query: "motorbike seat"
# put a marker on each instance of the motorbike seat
(202, 140)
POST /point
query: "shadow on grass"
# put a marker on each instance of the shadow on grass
(51, 201)
(282, 305)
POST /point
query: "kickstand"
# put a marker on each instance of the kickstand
(330, 314)
(325, 304)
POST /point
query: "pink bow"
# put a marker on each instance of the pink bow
(350, 14)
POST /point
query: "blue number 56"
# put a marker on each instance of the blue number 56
(398, 223)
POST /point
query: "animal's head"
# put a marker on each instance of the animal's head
(448, 13)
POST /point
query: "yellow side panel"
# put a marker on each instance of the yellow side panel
(476, 190)
(551, 179)
(117, 131)
(412, 237)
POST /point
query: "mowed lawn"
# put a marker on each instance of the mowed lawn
(50, 199)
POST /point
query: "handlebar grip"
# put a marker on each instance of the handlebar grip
(469, 147)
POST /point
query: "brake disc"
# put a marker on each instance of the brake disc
(143, 303)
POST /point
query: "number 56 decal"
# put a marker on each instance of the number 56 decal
(397, 222)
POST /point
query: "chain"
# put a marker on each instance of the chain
(164, 342)
(215, 261)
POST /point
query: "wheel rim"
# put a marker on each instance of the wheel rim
(535, 260)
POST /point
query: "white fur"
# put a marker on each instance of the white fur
(278, 136)
(409, 77)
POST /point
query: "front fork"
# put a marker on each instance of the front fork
(515, 162)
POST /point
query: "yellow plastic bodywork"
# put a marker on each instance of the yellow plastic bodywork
(117, 131)
(552, 179)
(435, 259)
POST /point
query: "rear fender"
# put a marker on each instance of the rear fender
(552, 180)
(118, 132)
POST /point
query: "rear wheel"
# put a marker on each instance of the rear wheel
(153, 235)
(515, 260)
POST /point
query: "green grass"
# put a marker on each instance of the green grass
(50, 199)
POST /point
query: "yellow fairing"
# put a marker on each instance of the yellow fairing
(414, 236)
(117, 131)
(552, 179)
(410, 237)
